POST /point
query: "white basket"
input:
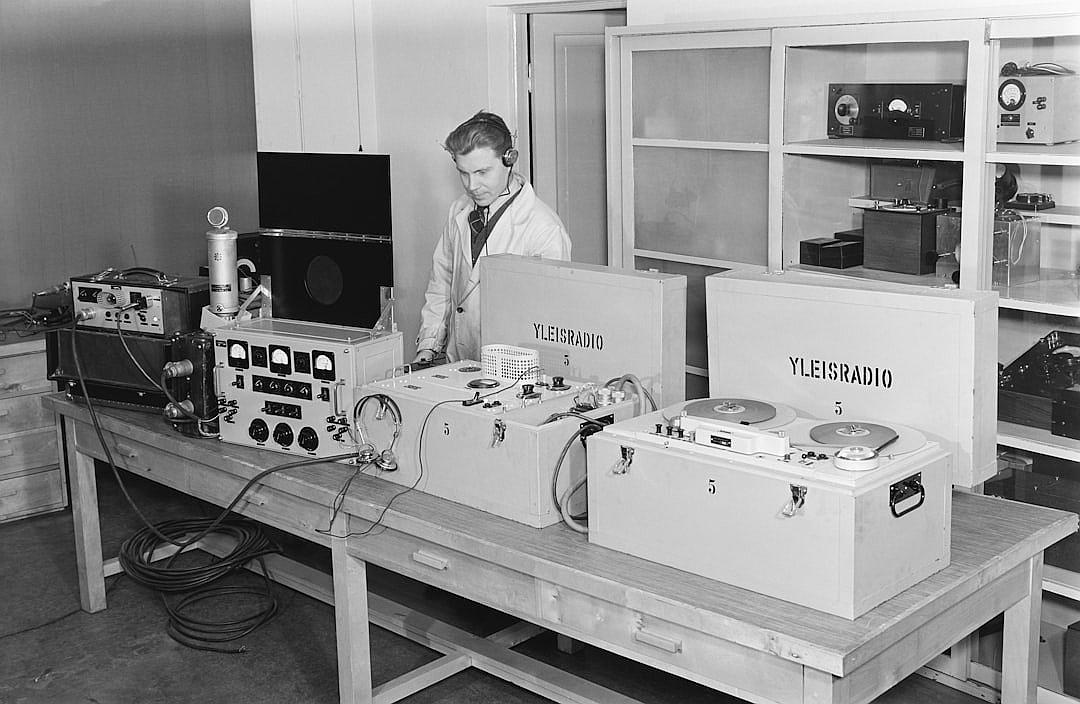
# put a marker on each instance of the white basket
(510, 363)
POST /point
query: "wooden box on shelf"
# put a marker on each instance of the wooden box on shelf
(31, 480)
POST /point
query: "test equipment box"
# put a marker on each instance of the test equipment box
(488, 442)
(289, 386)
(589, 322)
(1038, 109)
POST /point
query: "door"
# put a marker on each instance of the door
(567, 113)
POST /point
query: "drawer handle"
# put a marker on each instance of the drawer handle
(433, 561)
(3, 371)
(128, 452)
(255, 499)
(668, 645)
(7, 451)
(4, 412)
(36, 387)
(8, 494)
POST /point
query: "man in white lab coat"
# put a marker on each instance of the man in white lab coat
(499, 213)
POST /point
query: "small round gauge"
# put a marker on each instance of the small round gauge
(279, 357)
(323, 362)
(1011, 94)
(237, 351)
(898, 105)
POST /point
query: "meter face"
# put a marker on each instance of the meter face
(1011, 95)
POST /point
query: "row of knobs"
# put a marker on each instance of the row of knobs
(307, 438)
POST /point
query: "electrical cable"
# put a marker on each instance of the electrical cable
(61, 617)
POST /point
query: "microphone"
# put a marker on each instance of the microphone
(221, 257)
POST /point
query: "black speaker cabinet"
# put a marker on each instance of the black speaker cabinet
(326, 278)
(904, 241)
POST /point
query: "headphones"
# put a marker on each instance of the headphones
(510, 156)
(369, 454)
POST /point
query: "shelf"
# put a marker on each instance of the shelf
(1056, 294)
(1058, 215)
(697, 144)
(1023, 437)
(1061, 582)
(878, 149)
(1055, 155)
(858, 272)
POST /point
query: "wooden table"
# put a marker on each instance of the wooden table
(739, 642)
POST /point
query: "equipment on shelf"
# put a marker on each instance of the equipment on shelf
(837, 516)
(1016, 250)
(922, 111)
(1040, 387)
(290, 386)
(1038, 105)
(490, 442)
(843, 250)
(901, 238)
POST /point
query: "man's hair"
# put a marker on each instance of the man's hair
(484, 129)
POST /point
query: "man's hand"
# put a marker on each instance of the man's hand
(424, 356)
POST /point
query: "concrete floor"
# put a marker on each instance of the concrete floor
(51, 652)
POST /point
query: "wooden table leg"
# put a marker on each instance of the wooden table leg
(351, 617)
(1020, 641)
(84, 513)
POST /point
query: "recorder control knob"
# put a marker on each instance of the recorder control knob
(258, 430)
(283, 434)
(308, 439)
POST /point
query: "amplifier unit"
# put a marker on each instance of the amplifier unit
(139, 300)
(1038, 109)
(106, 366)
(289, 386)
(928, 111)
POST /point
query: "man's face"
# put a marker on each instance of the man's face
(483, 175)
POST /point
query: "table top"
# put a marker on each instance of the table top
(990, 537)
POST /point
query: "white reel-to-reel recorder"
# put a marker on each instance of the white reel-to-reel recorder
(837, 516)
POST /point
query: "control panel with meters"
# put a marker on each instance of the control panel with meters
(139, 300)
(288, 386)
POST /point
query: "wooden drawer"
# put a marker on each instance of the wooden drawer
(136, 457)
(27, 494)
(23, 374)
(23, 413)
(28, 449)
(265, 504)
(674, 648)
(456, 572)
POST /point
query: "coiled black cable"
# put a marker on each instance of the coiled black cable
(251, 543)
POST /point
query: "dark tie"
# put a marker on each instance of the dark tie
(477, 220)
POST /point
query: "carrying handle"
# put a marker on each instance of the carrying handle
(159, 276)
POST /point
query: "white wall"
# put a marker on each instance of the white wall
(643, 12)
(431, 73)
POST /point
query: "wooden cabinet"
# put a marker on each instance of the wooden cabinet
(313, 78)
(31, 480)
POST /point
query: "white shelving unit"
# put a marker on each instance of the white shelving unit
(814, 185)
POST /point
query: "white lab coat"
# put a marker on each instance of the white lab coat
(451, 313)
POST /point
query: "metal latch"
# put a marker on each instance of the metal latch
(622, 466)
(798, 500)
(498, 432)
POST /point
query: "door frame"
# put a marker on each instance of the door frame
(508, 61)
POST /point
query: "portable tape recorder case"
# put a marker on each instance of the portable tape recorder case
(820, 471)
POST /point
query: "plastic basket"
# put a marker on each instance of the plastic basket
(510, 362)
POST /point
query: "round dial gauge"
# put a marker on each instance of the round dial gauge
(279, 357)
(1011, 95)
(898, 105)
(237, 351)
(323, 363)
